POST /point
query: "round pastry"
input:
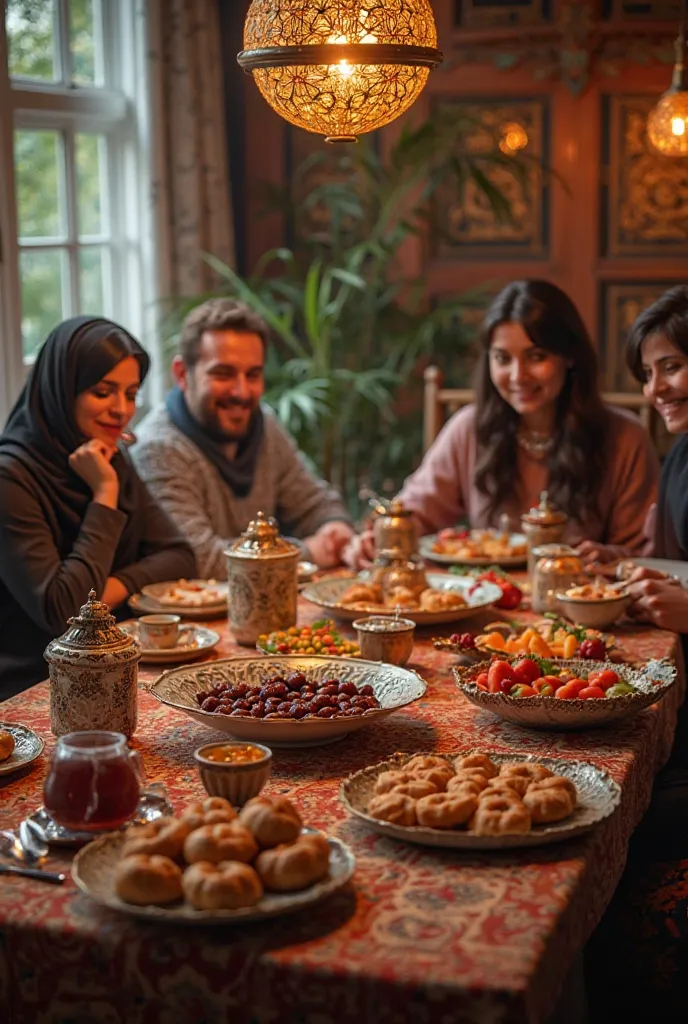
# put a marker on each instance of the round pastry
(362, 593)
(421, 762)
(559, 782)
(471, 787)
(439, 777)
(445, 810)
(535, 772)
(227, 841)
(477, 762)
(517, 784)
(440, 600)
(166, 837)
(6, 744)
(293, 866)
(500, 815)
(553, 803)
(415, 788)
(271, 821)
(224, 886)
(212, 811)
(401, 597)
(387, 781)
(144, 880)
(471, 775)
(397, 808)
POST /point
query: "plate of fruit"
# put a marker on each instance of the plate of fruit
(289, 701)
(574, 693)
(553, 638)
(322, 637)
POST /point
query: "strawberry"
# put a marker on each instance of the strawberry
(527, 671)
(498, 671)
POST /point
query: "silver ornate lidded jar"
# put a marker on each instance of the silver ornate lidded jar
(557, 567)
(543, 524)
(394, 527)
(262, 581)
(93, 674)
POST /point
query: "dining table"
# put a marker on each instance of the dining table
(433, 936)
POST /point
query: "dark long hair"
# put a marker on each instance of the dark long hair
(668, 316)
(577, 459)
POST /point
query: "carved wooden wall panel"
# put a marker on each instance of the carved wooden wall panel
(646, 202)
(620, 305)
(465, 224)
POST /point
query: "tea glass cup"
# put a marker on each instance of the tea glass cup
(383, 638)
(94, 781)
(160, 631)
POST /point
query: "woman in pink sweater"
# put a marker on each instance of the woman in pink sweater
(538, 423)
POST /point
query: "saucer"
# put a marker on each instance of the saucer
(194, 642)
(306, 571)
(153, 804)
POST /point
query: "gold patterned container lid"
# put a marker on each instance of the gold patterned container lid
(92, 631)
(262, 539)
(544, 514)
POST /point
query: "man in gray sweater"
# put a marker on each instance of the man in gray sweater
(213, 455)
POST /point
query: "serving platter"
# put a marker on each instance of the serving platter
(427, 543)
(28, 746)
(598, 797)
(155, 599)
(194, 642)
(393, 687)
(326, 593)
(653, 681)
(93, 870)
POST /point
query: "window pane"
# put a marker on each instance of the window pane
(84, 43)
(90, 155)
(94, 264)
(31, 38)
(43, 286)
(40, 193)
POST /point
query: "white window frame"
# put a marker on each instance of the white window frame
(117, 110)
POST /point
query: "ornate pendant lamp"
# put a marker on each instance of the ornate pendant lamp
(340, 67)
(667, 125)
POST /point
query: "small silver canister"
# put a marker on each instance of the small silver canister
(262, 581)
(394, 528)
(543, 524)
(93, 674)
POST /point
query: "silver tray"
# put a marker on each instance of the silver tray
(426, 543)
(93, 871)
(555, 713)
(598, 797)
(394, 688)
(28, 745)
(327, 592)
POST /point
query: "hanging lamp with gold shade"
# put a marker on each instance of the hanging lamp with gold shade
(667, 125)
(340, 68)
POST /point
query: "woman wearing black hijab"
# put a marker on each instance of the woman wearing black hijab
(74, 515)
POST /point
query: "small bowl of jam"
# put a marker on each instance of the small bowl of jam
(236, 771)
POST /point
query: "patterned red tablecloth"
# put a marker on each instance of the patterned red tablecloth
(421, 934)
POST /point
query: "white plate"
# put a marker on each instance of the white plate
(598, 797)
(143, 605)
(426, 543)
(27, 747)
(557, 714)
(327, 593)
(93, 871)
(196, 641)
(394, 688)
(157, 592)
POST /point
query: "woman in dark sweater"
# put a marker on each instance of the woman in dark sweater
(74, 514)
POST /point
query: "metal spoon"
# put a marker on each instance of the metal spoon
(35, 873)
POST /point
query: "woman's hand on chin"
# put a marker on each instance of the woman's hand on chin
(663, 602)
(91, 461)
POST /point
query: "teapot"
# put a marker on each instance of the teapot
(394, 528)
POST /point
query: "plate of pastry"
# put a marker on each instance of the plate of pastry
(446, 598)
(290, 700)
(19, 747)
(194, 641)
(458, 546)
(214, 865)
(190, 598)
(480, 800)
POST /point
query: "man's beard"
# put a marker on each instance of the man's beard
(210, 421)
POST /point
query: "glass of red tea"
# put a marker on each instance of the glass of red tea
(94, 781)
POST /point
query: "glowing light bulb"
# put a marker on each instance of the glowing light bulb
(678, 126)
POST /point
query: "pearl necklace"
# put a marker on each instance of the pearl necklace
(537, 445)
